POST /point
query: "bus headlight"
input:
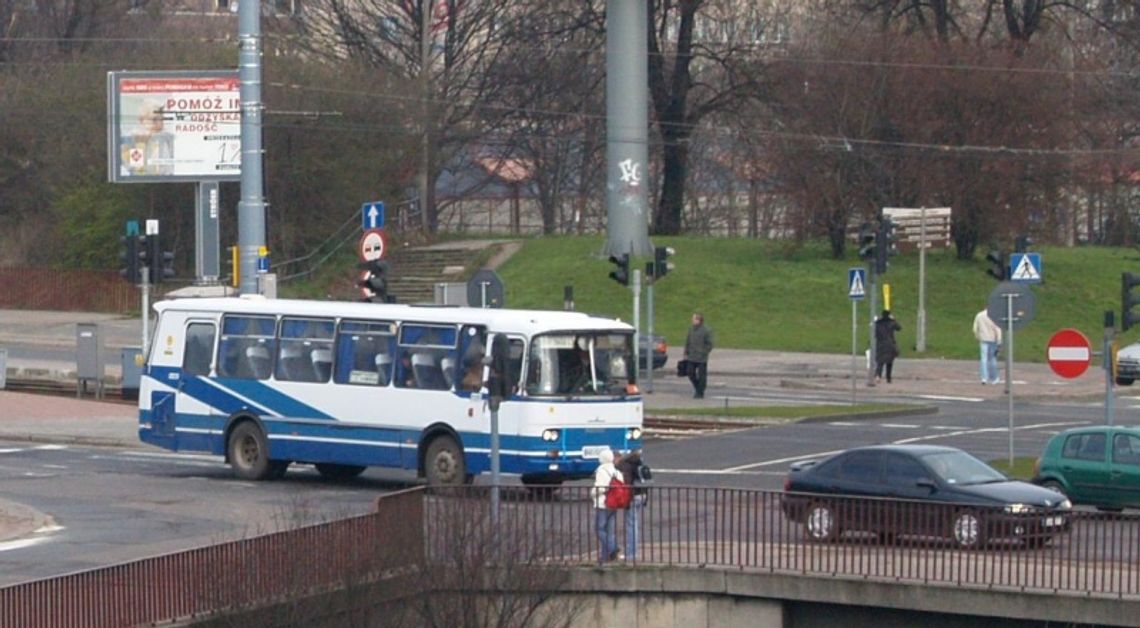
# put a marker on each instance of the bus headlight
(633, 433)
(550, 435)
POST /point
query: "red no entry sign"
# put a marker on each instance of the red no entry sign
(1069, 353)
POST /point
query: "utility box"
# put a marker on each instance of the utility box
(88, 358)
(131, 363)
(450, 293)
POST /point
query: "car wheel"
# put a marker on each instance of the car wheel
(1124, 381)
(968, 530)
(1055, 486)
(820, 523)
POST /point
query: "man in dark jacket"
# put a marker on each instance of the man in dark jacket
(698, 346)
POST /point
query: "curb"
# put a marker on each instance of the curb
(72, 439)
(729, 422)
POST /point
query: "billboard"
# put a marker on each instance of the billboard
(173, 126)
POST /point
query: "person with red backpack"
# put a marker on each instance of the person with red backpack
(608, 486)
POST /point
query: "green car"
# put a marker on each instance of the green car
(1097, 465)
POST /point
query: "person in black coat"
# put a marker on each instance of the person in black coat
(886, 348)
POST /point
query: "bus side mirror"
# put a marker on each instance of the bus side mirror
(498, 377)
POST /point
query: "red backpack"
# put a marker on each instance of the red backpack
(619, 494)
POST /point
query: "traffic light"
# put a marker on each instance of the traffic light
(661, 263)
(1128, 301)
(866, 241)
(130, 259)
(885, 245)
(1022, 243)
(997, 258)
(160, 263)
(374, 282)
(620, 273)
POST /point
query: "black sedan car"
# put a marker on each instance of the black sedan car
(919, 491)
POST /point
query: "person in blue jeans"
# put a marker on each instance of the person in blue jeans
(988, 335)
(628, 465)
(605, 520)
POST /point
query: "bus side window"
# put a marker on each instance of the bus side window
(199, 348)
(363, 353)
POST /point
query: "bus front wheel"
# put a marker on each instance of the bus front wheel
(248, 451)
(444, 465)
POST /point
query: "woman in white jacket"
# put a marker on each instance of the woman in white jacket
(605, 520)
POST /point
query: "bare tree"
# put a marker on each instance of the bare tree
(453, 64)
(701, 55)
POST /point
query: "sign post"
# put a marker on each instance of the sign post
(856, 290)
(933, 226)
(1015, 305)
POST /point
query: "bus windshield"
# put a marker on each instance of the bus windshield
(580, 363)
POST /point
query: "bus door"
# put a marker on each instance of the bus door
(509, 366)
(197, 363)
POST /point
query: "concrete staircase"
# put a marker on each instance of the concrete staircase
(413, 273)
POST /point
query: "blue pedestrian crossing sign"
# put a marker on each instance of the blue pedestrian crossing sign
(1025, 267)
(856, 283)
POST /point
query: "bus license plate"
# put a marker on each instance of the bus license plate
(1054, 521)
(593, 451)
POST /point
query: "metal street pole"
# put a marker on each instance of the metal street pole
(636, 321)
(251, 209)
(648, 336)
(144, 276)
(920, 330)
(1106, 357)
(854, 345)
(873, 304)
(1009, 368)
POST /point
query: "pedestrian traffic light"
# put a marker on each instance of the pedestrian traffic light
(661, 263)
(1022, 243)
(1128, 301)
(885, 245)
(620, 273)
(997, 258)
(866, 241)
(130, 259)
(373, 282)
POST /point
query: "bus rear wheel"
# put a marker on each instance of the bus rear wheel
(248, 450)
(444, 464)
(332, 471)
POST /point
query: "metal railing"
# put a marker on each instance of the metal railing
(447, 535)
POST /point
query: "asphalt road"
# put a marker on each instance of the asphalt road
(112, 504)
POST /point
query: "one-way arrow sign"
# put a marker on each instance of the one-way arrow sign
(372, 215)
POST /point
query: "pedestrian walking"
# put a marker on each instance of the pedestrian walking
(698, 346)
(886, 348)
(605, 519)
(989, 343)
(637, 475)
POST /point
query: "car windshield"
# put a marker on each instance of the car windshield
(580, 364)
(959, 467)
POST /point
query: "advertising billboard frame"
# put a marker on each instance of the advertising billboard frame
(196, 132)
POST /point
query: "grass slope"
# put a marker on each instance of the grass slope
(768, 295)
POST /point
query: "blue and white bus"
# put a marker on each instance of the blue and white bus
(344, 386)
